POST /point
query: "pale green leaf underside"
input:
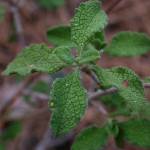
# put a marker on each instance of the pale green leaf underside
(91, 139)
(137, 132)
(88, 20)
(129, 44)
(60, 35)
(39, 57)
(130, 88)
(70, 101)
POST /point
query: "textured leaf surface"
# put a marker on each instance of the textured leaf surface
(89, 55)
(137, 132)
(91, 139)
(69, 100)
(60, 35)
(130, 88)
(88, 20)
(129, 44)
(40, 58)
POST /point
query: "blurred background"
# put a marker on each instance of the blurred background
(24, 114)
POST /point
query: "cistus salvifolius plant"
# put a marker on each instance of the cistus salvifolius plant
(69, 99)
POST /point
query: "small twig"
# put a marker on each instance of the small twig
(49, 142)
(91, 74)
(114, 4)
(100, 93)
(99, 107)
(93, 95)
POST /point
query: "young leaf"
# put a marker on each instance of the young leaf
(89, 55)
(91, 139)
(129, 85)
(98, 40)
(69, 103)
(40, 58)
(129, 44)
(137, 132)
(60, 35)
(88, 20)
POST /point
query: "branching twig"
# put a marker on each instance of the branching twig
(49, 142)
(89, 73)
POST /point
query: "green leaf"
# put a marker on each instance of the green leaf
(137, 132)
(2, 12)
(11, 131)
(69, 103)
(129, 44)
(50, 4)
(98, 40)
(91, 139)
(130, 88)
(89, 55)
(113, 101)
(60, 35)
(41, 87)
(40, 58)
(88, 20)
(2, 147)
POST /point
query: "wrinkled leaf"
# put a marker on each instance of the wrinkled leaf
(129, 44)
(40, 58)
(137, 132)
(60, 35)
(88, 20)
(98, 40)
(130, 88)
(91, 139)
(69, 103)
